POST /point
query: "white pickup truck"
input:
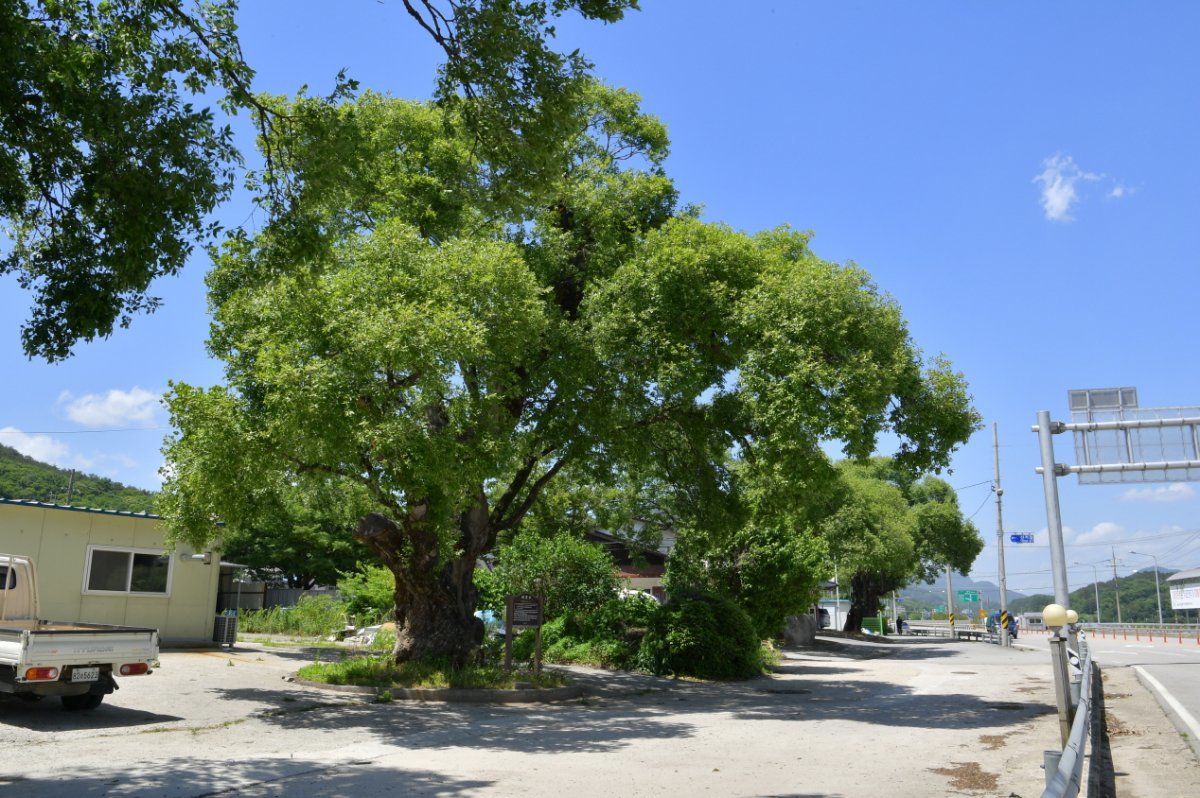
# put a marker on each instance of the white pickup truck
(75, 661)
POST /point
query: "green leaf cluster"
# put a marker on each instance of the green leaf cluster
(706, 637)
(571, 575)
(108, 163)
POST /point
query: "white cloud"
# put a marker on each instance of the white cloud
(1103, 532)
(1119, 191)
(1059, 177)
(113, 409)
(1172, 492)
(42, 448)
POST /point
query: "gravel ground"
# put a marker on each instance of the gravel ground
(844, 718)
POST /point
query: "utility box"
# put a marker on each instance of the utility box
(225, 630)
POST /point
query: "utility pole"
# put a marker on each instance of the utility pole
(70, 487)
(1000, 535)
(1116, 587)
(950, 601)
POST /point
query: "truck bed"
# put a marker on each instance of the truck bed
(63, 626)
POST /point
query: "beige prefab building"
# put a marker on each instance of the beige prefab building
(102, 566)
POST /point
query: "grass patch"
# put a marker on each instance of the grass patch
(290, 642)
(381, 671)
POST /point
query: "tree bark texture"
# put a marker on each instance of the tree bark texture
(435, 597)
(865, 590)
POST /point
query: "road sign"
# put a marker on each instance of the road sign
(1021, 538)
(940, 608)
(969, 596)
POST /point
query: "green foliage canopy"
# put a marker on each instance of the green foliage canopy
(452, 353)
(107, 169)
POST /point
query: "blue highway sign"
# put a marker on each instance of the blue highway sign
(1021, 538)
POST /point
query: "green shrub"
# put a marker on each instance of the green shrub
(704, 636)
(491, 592)
(608, 637)
(369, 593)
(570, 574)
(313, 616)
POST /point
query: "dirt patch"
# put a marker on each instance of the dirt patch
(993, 741)
(1116, 727)
(969, 776)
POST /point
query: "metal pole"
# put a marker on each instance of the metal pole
(1045, 430)
(1062, 688)
(1000, 535)
(1158, 592)
(1157, 589)
(1116, 587)
(950, 601)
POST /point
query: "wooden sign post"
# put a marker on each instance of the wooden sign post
(523, 611)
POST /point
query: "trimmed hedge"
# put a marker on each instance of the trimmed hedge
(704, 636)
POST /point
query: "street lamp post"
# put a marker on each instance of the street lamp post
(1095, 584)
(1157, 588)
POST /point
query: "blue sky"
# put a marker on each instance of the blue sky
(1021, 177)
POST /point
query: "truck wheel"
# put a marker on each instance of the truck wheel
(74, 703)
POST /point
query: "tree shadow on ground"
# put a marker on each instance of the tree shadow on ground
(577, 726)
(673, 709)
(309, 777)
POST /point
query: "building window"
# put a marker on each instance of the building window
(141, 571)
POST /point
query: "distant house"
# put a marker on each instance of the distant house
(639, 569)
(105, 566)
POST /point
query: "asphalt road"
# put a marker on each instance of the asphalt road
(906, 718)
(1172, 665)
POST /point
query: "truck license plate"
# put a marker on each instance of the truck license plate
(85, 674)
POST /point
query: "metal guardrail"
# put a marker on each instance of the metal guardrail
(1064, 770)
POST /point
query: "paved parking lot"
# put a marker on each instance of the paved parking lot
(917, 717)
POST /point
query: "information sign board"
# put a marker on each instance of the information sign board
(525, 610)
(1021, 538)
(969, 596)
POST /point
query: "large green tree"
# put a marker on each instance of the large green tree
(453, 353)
(887, 528)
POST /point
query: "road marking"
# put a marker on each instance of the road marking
(1184, 715)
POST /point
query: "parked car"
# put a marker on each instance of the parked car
(993, 624)
(823, 616)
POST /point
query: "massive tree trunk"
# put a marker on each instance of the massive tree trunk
(865, 590)
(435, 597)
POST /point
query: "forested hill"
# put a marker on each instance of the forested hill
(23, 477)
(1138, 594)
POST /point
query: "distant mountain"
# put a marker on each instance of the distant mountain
(24, 478)
(1136, 594)
(920, 596)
